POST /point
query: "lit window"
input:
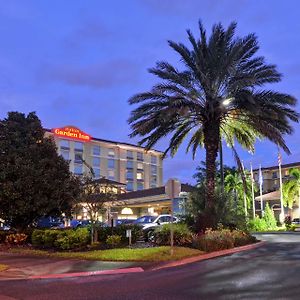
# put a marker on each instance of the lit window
(64, 144)
(111, 163)
(96, 161)
(78, 146)
(153, 159)
(129, 164)
(140, 156)
(111, 153)
(78, 158)
(96, 150)
(129, 175)
(96, 172)
(129, 154)
(78, 169)
(129, 186)
(140, 186)
(111, 174)
(140, 166)
(139, 176)
(65, 154)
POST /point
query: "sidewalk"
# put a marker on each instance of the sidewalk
(24, 266)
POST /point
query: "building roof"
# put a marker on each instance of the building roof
(269, 196)
(108, 181)
(152, 192)
(114, 142)
(290, 165)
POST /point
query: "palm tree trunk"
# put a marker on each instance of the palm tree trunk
(211, 143)
(221, 167)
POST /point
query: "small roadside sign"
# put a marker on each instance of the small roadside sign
(128, 233)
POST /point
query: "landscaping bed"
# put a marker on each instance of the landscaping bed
(154, 254)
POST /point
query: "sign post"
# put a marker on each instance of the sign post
(128, 234)
(172, 189)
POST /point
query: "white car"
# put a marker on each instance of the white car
(149, 223)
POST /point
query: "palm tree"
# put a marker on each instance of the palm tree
(221, 81)
(291, 188)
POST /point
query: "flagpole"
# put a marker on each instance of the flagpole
(260, 190)
(252, 187)
(281, 217)
(245, 198)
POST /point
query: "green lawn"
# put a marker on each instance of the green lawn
(3, 267)
(156, 254)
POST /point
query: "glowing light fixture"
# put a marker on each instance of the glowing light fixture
(126, 211)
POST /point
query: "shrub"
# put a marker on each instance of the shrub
(113, 240)
(214, 240)
(73, 239)
(182, 235)
(242, 238)
(16, 238)
(104, 232)
(257, 224)
(61, 239)
(4, 234)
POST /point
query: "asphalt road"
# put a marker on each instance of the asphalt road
(269, 272)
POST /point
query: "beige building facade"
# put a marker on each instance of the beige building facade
(122, 162)
(271, 176)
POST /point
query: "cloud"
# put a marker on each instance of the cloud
(90, 31)
(101, 75)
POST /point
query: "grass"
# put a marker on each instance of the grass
(3, 267)
(155, 254)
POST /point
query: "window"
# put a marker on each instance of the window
(65, 154)
(153, 170)
(129, 175)
(111, 153)
(140, 156)
(139, 176)
(78, 146)
(153, 185)
(96, 161)
(140, 166)
(129, 164)
(111, 163)
(96, 150)
(111, 174)
(78, 158)
(129, 186)
(129, 154)
(153, 179)
(274, 175)
(96, 172)
(140, 186)
(64, 144)
(78, 169)
(153, 160)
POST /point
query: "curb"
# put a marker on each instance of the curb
(90, 273)
(209, 256)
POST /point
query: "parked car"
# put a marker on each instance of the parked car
(4, 226)
(125, 221)
(50, 222)
(296, 221)
(149, 223)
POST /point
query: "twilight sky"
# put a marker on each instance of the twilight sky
(77, 62)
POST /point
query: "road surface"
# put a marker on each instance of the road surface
(269, 272)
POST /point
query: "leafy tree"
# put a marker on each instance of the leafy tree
(34, 180)
(95, 193)
(221, 82)
(291, 188)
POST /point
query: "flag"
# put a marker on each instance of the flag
(260, 177)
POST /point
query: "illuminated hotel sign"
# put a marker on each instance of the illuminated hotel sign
(71, 132)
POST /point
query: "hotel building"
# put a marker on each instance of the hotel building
(122, 162)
